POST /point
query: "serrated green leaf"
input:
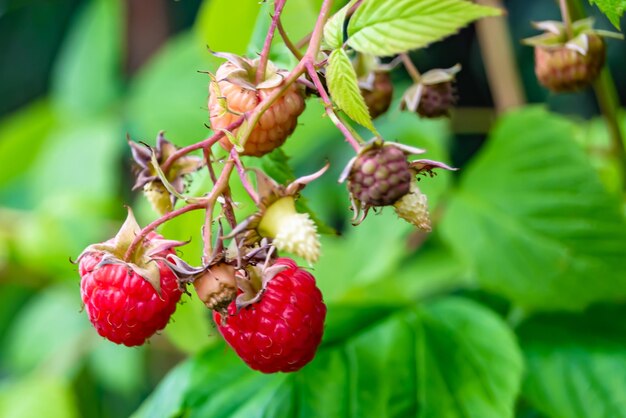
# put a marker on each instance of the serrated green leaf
(384, 28)
(576, 363)
(435, 356)
(344, 89)
(613, 9)
(333, 29)
(533, 219)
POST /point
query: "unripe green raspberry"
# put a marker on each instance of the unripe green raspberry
(413, 208)
(380, 176)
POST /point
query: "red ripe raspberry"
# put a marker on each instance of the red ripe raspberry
(282, 330)
(563, 69)
(123, 306)
(241, 95)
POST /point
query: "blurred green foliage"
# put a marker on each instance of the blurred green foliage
(510, 307)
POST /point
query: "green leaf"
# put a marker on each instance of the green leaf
(87, 74)
(190, 328)
(461, 372)
(533, 219)
(117, 367)
(613, 9)
(430, 361)
(344, 88)
(23, 130)
(576, 363)
(221, 30)
(333, 29)
(381, 28)
(38, 396)
(64, 336)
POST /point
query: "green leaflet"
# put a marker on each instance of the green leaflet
(383, 28)
(344, 88)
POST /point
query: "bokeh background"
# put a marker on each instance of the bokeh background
(77, 76)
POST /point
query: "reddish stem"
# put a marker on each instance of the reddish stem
(207, 143)
(260, 72)
(242, 176)
(330, 111)
(156, 223)
(294, 50)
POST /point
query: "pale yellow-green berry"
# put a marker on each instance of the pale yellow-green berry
(413, 208)
(291, 231)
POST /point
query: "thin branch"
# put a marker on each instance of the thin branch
(347, 133)
(294, 50)
(156, 223)
(302, 42)
(202, 144)
(411, 68)
(496, 48)
(260, 72)
(242, 176)
(566, 18)
(604, 88)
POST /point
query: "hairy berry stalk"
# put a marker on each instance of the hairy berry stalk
(278, 8)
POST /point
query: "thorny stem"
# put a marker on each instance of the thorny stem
(411, 68)
(218, 189)
(294, 50)
(207, 143)
(252, 118)
(566, 18)
(347, 133)
(308, 59)
(260, 72)
(156, 223)
(242, 176)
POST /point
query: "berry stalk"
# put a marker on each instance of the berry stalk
(328, 105)
(207, 143)
(411, 68)
(278, 8)
(604, 89)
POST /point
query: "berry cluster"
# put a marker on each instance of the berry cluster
(269, 310)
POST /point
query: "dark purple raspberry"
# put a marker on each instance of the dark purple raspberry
(380, 176)
(378, 97)
(436, 100)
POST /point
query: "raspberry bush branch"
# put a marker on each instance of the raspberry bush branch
(328, 106)
(278, 8)
(410, 68)
(253, 108)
